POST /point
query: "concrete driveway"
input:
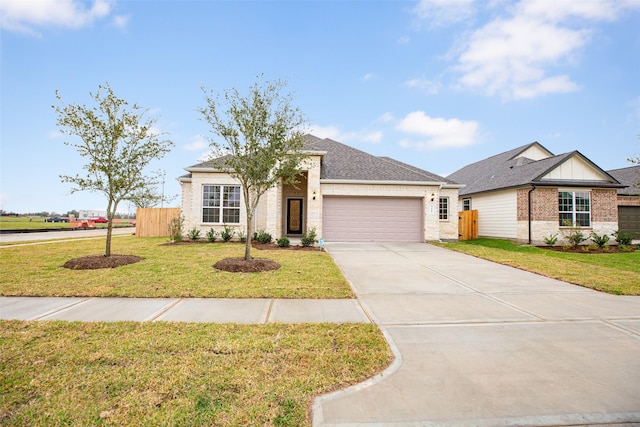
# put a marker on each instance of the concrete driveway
(481, 344)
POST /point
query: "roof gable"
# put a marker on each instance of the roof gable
(513, 169)
(577, 168)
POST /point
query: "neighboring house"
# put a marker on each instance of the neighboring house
(527, 194)
(344, 193)
(628, 199)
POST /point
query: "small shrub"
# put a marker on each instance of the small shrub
(263, 237)
(176, 226)
(283, 242)
(622, 237)
(600, 241)
(226, 233)
(574, 236)
(193, 234)
(242, 235)
(309, 237)
(551, 239)
(212, 235)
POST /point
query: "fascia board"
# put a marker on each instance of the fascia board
(365, 182)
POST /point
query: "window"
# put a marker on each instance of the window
(466, 204)
(221, 204)
(575, 208)
(444, 208)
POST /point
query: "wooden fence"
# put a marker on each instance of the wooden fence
(154, 222)
(467, 225)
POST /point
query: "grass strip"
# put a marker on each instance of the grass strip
(614, 273)
(167, 271)
(125, 373)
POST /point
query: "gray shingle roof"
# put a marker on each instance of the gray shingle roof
(628, 176)
(507, 170)
(342, 162)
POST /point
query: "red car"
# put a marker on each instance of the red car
(99, 219)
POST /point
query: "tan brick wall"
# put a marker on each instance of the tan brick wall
(604, 205)
(628, 200)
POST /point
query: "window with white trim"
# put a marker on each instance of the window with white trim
(221, 204)
(574, 208)
(444, 208)
(466, 204)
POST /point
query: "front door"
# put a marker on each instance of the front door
(294, 216)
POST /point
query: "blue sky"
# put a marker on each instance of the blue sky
(437, 84)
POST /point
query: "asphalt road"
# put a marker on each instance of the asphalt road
(71, 234)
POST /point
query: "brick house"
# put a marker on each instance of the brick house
(628, 199)
(344, 193)
(528, 193)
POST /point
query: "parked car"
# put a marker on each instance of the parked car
(99, 219)
(56, 219)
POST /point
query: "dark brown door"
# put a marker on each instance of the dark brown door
(294, 216)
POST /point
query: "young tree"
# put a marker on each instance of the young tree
(118, 143)
(261, 140)
(151, 196)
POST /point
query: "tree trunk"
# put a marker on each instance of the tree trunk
(107, 251)
(247, 248)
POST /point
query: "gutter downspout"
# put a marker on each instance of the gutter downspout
(529, 202)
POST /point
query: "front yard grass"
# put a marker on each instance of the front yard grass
(167, 271)
(126, 373)
(614, 273)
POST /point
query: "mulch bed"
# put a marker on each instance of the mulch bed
(100, 261)
(234, 265)
(254, 244)
(582, 249)
(241, 265)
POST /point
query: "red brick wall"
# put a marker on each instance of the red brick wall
(544, 204)
(604, 205)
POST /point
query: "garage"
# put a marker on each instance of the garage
(629, 219)
(372, 219)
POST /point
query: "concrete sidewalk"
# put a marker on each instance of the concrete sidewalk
(482, 344)
(213, 310)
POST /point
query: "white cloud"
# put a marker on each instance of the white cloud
(444, 12)
(369, 76)
(404, 40)
(439, 132)
(424, 85)
(24, 16)
(511, 55)
(197, 143)
(332, 132)
(121, 21)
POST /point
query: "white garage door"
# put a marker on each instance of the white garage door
(371, 219)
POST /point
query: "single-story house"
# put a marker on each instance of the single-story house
(528, 193)
(628, 199)
(344, 193)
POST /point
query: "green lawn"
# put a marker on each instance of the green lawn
(615, 273)
(166, 271)
(177, 374)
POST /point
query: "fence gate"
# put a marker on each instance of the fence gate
(154, 222)
(467, 225)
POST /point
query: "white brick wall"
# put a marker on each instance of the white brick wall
(270, 209)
